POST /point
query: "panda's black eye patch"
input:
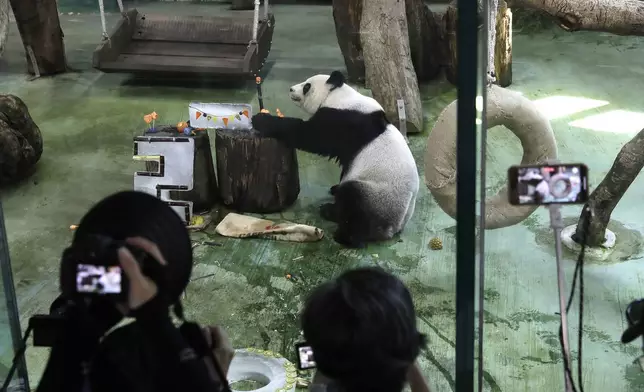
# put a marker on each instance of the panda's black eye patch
(306, 88)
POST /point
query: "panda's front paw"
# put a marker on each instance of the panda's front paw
(263, 123)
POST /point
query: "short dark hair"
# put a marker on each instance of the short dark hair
(362, 329)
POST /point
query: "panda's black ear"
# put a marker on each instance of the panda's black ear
(336, 79)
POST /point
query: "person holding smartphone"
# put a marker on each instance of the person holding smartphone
(361, 328)
(149, 354)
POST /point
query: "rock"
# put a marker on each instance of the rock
(20, 140)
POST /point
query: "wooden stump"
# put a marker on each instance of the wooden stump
(255, 174)
(42, 36)
(347, 14)
(503, 45)
(204, 191)
(242, 5)
(424, 40)
(20, 141)
(389, 70)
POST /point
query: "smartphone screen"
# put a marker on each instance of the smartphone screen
(305, 358)
(548, 184)
(98, 279)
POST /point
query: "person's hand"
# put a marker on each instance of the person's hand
(141, 288)
(222, 348)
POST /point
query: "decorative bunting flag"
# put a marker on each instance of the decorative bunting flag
(225, 119)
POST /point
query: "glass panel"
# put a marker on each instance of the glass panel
(10, 335)
(254, 288)
(545, 106)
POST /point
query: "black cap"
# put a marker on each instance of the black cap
(137, 214)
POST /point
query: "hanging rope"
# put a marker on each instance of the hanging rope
(493, 9)
(101, 7)
(255, 21)
(266, 10)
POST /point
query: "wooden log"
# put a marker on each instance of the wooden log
(449, 43)
(347, 14)
(255, 174)
(503, 45)
(242, 5)
(424, 40)
(621, 17)
(388, 67)
(21, 142)
(204, 193)
(627, 166)
(41, 35)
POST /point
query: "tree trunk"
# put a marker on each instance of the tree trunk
(42, 36)
(255, 174)
(347, 14)
(449, 43)
(621, 17)
(4, 23)
(503, 46)
(628, 164)
(388, 67)
(424, 40)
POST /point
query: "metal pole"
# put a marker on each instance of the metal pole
(12, 303)
(483, 84)
(467, 33)
(557, 225)
(266, 10)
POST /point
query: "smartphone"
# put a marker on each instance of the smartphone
(99, 279)
(305, 358)
(565, 183)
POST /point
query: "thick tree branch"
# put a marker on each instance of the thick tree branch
(621, 17)
(627, 166)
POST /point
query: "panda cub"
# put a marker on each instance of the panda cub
(377, 192)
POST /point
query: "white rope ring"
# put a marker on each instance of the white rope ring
(504, 107)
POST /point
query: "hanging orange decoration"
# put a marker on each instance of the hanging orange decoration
(225, 120)
(182, 126)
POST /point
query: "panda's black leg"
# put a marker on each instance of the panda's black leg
(353, 221)
(333, 190)
(329, 212)
(343, 237)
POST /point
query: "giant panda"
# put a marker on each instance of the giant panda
(376, 195)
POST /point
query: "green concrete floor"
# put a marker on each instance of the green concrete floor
(88, 121)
